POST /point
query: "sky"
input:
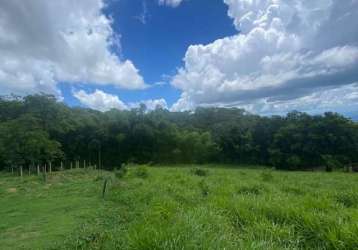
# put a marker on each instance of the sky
(267, 56)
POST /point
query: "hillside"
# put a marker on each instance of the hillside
(184, 207)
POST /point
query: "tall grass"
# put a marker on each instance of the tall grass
(173, 208)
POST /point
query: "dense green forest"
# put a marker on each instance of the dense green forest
(37, 130)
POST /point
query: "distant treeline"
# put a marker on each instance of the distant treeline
(37, 130)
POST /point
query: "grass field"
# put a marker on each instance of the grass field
(180, 208)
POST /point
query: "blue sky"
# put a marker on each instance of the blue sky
(155, 38)
(266, 56)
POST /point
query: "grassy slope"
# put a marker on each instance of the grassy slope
(173, 208)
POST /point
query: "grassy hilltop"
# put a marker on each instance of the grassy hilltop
(180, 208)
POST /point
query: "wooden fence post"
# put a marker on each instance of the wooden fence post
(104, 187)
(21, 171)
(50, 167)
(38, 169)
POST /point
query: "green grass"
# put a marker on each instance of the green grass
(177, 208)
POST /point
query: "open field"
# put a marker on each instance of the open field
(180, 208)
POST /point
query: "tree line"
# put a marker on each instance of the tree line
(37, 130)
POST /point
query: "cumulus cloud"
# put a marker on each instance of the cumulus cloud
(45, 42)
(102, 101)
(285, 52)
(342, 99)
(171, 3)
(183, 104)
(99, 100)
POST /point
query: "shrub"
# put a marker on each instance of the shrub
(141, 172)
(120, 173)
(199, 171)
(293, 162)
(330, 162)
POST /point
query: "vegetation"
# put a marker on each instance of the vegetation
(172, 208)
(190, 206)
(39, 131)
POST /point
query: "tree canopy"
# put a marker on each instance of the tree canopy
(37, 129)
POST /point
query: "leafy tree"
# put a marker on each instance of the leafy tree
(39, 129)
(26, 143)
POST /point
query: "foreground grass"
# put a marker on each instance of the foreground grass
(178, 208)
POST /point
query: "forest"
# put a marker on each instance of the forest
(38, 130)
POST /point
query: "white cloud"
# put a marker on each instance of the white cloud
(45, 42)
(99, 100)
(285, 50)
(342, 99)
(171, 3)
(102, 101)
(183, 104)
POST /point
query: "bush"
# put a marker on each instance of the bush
(141, 172)
(199, 171)
(331, 162)
(293, 162)
(120, 173)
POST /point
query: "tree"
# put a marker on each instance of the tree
(27, 143)
(40, 129)
(304, 139)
